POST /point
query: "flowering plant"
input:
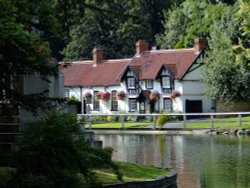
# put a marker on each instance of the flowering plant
(175, 94)
(105, 95)
(87, 95)
(154, 96)
(98, 96)
(120, 95)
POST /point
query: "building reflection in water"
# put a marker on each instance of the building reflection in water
(200, 161)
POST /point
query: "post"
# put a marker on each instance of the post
(122, 121)
(90, 122)
(212, 121)
(154, 120)
(184, 121)
(240, 120)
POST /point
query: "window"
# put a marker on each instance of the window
(167, 104)
(66, 92)
(166, 82)
(132, 105)
(149, 84)
(114, 104)
(96, 101)
(131, 83)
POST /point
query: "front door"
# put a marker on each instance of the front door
(151, 107)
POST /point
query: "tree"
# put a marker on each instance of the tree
(190, 20)
(115, 26)
(54, 153)
(25, 29)
(226, 72)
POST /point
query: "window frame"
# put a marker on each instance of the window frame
(170, 105)
(114, 102)
(96, 103)
(66, 93)
(129, 81)
(166, 84)
(132, 106)
(151, 85)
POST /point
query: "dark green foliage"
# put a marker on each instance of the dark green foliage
(53, 153)
(25, 29)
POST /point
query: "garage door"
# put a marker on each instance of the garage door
(193, 106)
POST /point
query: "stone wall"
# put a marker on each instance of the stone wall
(233, 106)
(161, 182)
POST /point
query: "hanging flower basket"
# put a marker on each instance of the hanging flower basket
(175, 94)
(105, 96)
(98, 96)
(87, 95)
(120, 95)
(154, 96)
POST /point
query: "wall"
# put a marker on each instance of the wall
(233, 106)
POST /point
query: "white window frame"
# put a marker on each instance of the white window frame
(132, 105)
(167, 106)
(131, 83)
(166, 82)
(149, 84)
(66, 93)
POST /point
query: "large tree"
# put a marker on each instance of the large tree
(25, 29)
(115, 26)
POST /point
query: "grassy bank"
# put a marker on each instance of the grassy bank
(130, 172)
(220, 123)
(118, 125)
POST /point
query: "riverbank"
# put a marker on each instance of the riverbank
(218, 131)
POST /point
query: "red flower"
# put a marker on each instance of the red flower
(120, 95)
(105, 95)
(175, 94)
(154, 96)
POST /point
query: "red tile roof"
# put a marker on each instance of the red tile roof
(146, 67)
(83, 73)
(177, 62)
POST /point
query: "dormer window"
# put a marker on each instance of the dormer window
(131, 83)
(166, 82)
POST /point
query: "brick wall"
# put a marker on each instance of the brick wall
(233, 106)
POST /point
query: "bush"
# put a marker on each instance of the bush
(54, 153)
(161, 120)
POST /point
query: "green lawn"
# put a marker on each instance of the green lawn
(118, 125)
(221, 123)
(131, 172)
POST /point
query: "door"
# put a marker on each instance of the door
(193, 106)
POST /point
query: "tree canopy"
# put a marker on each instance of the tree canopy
(25, 29)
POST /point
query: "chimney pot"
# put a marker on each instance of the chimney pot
(141, 46)
(97, 56)
(199, 44)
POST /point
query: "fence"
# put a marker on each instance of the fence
(182, 118)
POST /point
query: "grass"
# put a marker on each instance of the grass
(131, 172)
(118, 125)
(230, 122)
(5, 175)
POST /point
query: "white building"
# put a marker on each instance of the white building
(151, 81)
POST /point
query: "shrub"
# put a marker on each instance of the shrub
(54, 153)
(161, 120)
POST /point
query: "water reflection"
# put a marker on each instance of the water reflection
(200, 161)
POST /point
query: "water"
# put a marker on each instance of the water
(201, 161)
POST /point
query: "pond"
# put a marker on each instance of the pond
(206, 161)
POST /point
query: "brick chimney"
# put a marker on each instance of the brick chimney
(199, 44)
(141, 46)
(97, 56)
